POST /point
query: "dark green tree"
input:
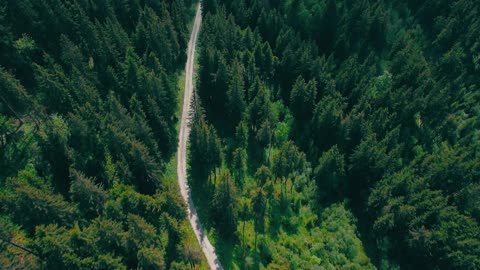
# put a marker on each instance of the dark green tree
(236, 104)
(205, 148)
(327, 122)
(259, 206)
(302, 99)
(239, 163)
(330, 174)
(224, 205)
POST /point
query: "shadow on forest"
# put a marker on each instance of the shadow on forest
(201, 196)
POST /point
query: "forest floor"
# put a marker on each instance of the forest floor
(200, 233)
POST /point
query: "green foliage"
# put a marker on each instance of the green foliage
(327, 123)
(54, 149)
(259, 205)
(287, 161)
(330, 174)
(371, 103)
(205, 150)
(260, 110)
(87, 103)
(25, 43)
(149, 258)
(224, 205)
(239, 164)
(30, 201)
(14, 97)
(339, 236)
(236, 95)
(424, 214)
(15, 147)
(241, 134)
(302, 99)
(12, 257)
(263, 174)
(89, 196)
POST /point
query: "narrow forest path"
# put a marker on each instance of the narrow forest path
(200, 233)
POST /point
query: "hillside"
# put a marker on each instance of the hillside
(88, 105)
(339, 134)
(303, 134)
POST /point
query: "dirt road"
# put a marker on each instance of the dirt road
(202, 238)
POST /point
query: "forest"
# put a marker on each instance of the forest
(339, 134)
(325, 134)
(88, 102)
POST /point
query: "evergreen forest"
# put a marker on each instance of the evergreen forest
(325, 134)
(339, 134)
(88, 102)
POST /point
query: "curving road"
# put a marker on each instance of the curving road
(202, 238)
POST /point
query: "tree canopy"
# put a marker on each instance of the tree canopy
(88, 98)
(358, 125)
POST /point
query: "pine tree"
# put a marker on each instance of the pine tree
(205, 149)
(209, 6)
(244, 213)
(214, 151)
(241, 135)
(327, 122)
(224, 205)
(236, 104)
(263, 174)
(258, 207)
(14, 98)
(6, 38)
(268, 61)
(302, 99)
(330, 174)
(239, 163)
(287, 161)
(54, 150)
(251, 75)
(87, 194)
(260, 109)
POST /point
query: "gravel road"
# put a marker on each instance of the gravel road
(202, 238)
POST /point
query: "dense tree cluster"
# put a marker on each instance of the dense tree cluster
(336, 113)
(87, 123)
